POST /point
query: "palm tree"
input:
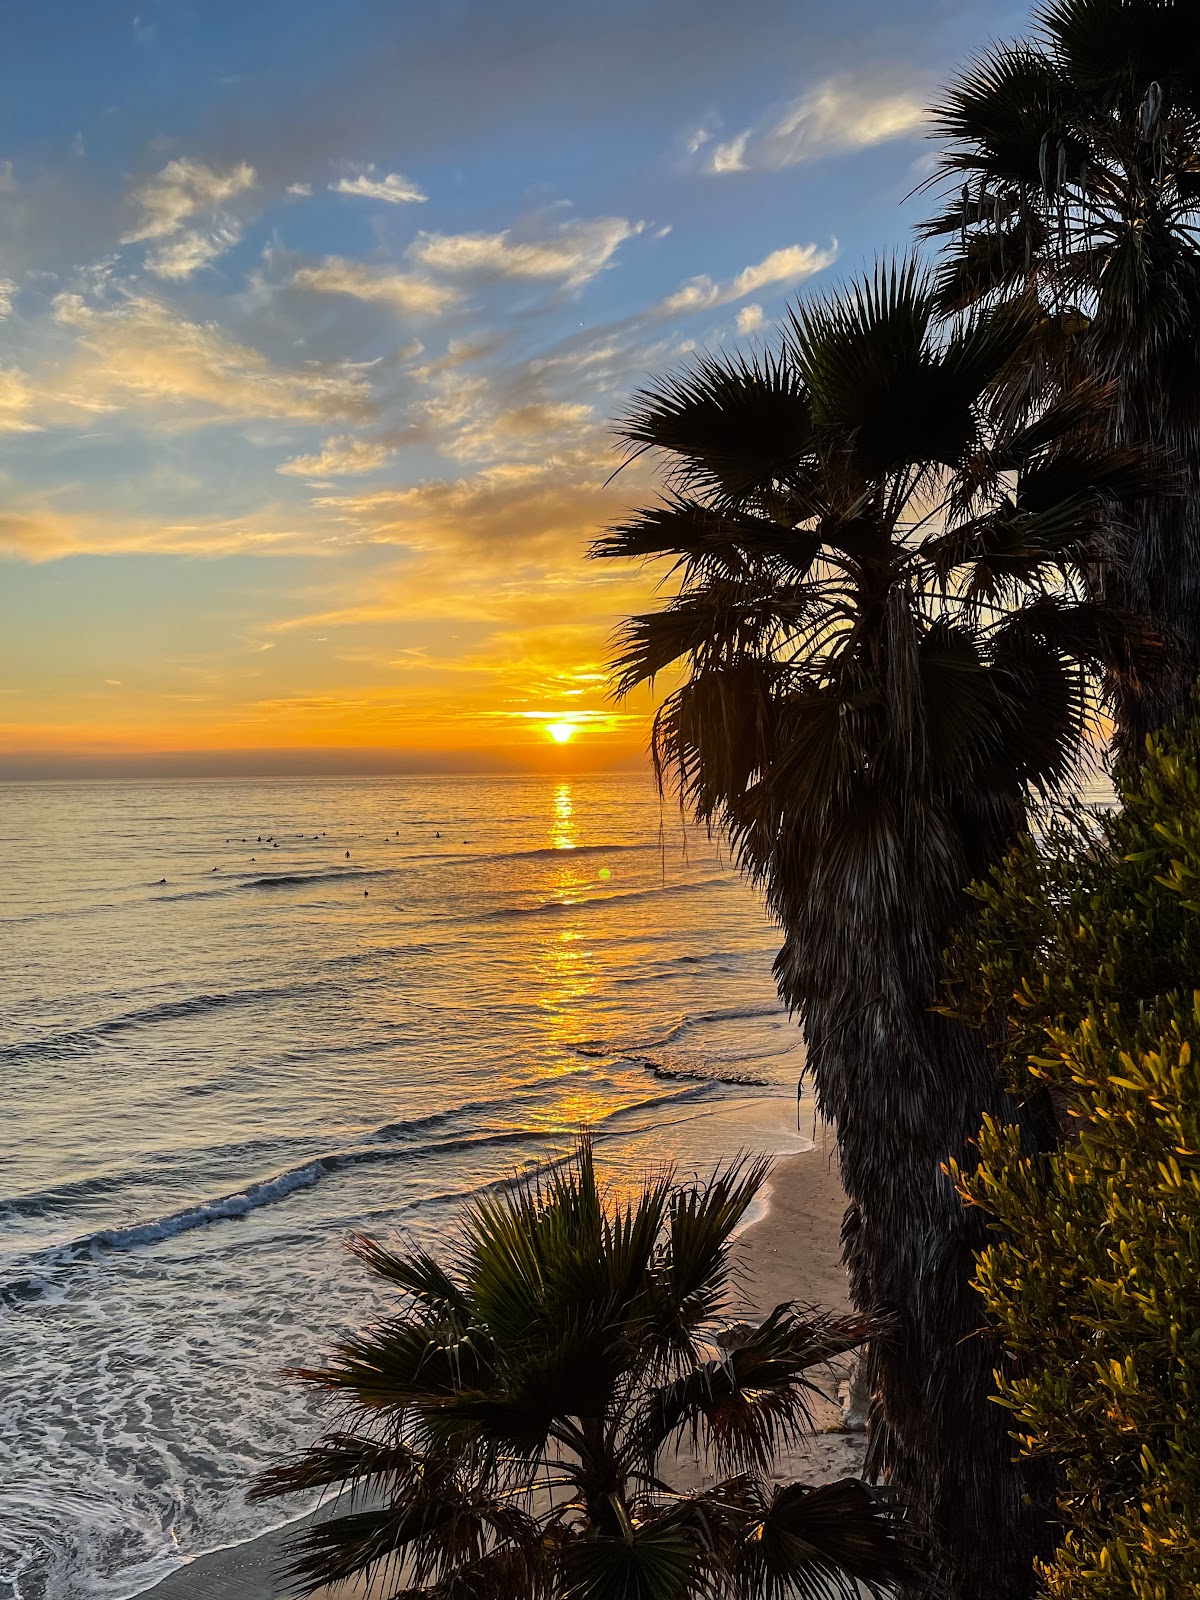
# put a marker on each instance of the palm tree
(879, 618)
(1073, 164)
(506, 1432)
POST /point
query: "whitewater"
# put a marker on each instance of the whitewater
(244, 1019)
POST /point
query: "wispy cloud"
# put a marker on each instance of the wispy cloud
(340, 456)
(508, 513)
(183, 191)
(404, 291)
(8, 292)
(184, 188)
(393, 187)
(197, 248)
(37, 531)
(573, 251)
(141, 354)
(779, 270)
(840, 114)
(16, 402)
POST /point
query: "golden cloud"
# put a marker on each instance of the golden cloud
(839, 114)
(575, 250)
(403, 291)
(38, 532)
(781, 269)
(184, 188)
(141, 354)
(341, 456)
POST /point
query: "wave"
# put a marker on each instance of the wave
(553, 852)
(280, 1185)
(286, 880)
(636, 1049)
(728, 1075)
(65, 1196)
(70, 1040)
(504, 913)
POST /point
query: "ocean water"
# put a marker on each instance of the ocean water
(243, 1019)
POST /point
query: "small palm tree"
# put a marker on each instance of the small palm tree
(880, 617)
(508, 1431)
(1073, 165)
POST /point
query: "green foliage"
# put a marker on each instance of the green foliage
(507, 1433)
(1090, 942)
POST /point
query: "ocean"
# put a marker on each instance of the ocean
(244, 1019)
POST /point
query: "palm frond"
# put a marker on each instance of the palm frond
(417, 1274)
(808, 1544)
(700, 1227)
(747, 1406)
(648, 1562)
(734, 427)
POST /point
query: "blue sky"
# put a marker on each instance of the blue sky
(317, 318)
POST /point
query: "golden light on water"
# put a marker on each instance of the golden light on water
(562, 830)
(560, 732)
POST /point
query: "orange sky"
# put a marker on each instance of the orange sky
(310, 356)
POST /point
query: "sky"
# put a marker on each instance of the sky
(316, 321)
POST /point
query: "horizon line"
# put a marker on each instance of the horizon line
(302, 762)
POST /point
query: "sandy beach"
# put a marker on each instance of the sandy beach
(791, 1253)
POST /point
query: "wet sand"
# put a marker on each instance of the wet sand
(792, 1253)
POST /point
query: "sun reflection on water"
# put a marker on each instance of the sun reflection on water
(562, 825)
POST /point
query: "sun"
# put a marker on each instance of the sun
(560, 732)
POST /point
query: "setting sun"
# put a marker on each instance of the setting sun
(560, 732)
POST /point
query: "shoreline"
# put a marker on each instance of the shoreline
(792, 1251)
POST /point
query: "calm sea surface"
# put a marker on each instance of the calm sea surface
(242, 1019)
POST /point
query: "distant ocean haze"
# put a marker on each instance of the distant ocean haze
(247, 1017)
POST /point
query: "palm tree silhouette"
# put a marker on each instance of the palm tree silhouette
(507, 1432)
(1073, 168)
(878, 576)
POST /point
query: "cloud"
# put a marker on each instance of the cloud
(185, 188)
(839, 114)
(179, 258)
(300, 190)
(403, 291)
(749, 319)
(35, 531)
(781, 269)
(394, 187)
(16, 401)
(340, 456)
(786, 266)
(575, 251)
(140, 353)
(8, 290)
(515, 509)
(546, 429)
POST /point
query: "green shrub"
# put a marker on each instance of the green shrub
(1086, 957)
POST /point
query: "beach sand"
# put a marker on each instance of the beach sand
(791, 1253)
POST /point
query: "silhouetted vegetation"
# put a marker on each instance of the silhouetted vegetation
(880, 608)
(508, 1431)
(1073, 168)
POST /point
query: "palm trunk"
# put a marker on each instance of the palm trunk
(907, 1090)
(935, 1433)
(1161, 583)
